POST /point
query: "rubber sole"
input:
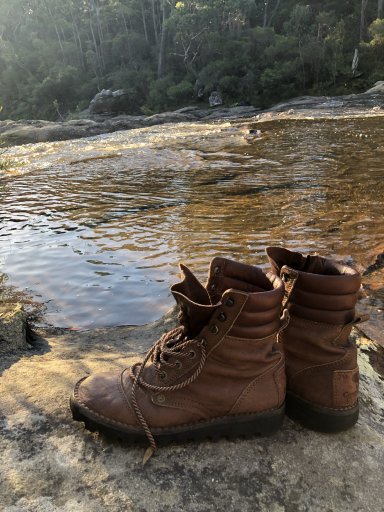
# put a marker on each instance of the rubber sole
(264, 423)
(319, 418)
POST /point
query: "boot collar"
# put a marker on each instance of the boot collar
(281, 258)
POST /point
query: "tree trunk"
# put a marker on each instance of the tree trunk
(56, 29)
(163, 36)
(144, 21)
(127, 32)
(154, 21)
(100, 34)
(265, 13)
(77, 38)
(276, 8)
(380, 8)
(363, 29)
(98, 66)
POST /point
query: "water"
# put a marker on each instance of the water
(95, 228)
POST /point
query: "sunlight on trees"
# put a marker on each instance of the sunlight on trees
(56, 55)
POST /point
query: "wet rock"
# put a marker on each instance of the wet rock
(376, 265)
(371, 99)
(232, 112)
(13, 328)
(50, 463)
(169, 117)
(13, 133)
(371, 300)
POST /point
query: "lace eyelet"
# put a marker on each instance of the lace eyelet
(162, 375)
(216, 270)
(202, 342)
(285, 278)
(214, 329)
(192, 354)
(178, 365)
(222, 317)
(229, 302)
(160, 399)
(213, 287)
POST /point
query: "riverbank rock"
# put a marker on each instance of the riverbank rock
(13, 328)
(110, 102)
(371, 99)
(102, 118)
(14, 133)
(215, 99)
(378, 88)
(49, 463)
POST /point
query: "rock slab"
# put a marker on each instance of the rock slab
(49, 463)
(13, 328)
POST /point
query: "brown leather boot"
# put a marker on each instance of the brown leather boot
(321, 363)
(220, 373)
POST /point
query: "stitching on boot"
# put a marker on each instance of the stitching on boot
(324, 407)
(139, 430)
(281, 390)
(315, 367)
(249, 388)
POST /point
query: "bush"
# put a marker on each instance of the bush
(183, 91)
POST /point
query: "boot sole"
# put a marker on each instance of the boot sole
(319, 418)
(263, 423)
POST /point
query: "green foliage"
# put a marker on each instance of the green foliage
(181, 92)
(376, 31)
(158, 99)
(55, 55)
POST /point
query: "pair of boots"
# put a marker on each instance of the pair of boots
(249, 347)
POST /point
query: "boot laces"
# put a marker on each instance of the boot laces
(171, 344)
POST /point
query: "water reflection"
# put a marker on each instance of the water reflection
(102, 236)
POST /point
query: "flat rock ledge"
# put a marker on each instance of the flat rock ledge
(49, 463)
(15, 133)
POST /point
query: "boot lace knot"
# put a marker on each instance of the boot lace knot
(165, 353)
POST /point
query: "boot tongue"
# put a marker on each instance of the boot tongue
(194, 302)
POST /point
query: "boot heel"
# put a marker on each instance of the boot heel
(319, 418)
(264, 424)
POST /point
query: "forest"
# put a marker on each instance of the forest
(55, 55)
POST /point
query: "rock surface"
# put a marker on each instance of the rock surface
(14, 133)
(102, 116)
(13, 328)
(109, 102)
(49, 463)
(215, 99)
(374, 98)
(378, 88)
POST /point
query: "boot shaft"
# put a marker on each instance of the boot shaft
(321, 362)
(316, 288)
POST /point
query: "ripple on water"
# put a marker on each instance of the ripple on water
(99, 225)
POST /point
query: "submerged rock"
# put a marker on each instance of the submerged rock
(49, 462)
